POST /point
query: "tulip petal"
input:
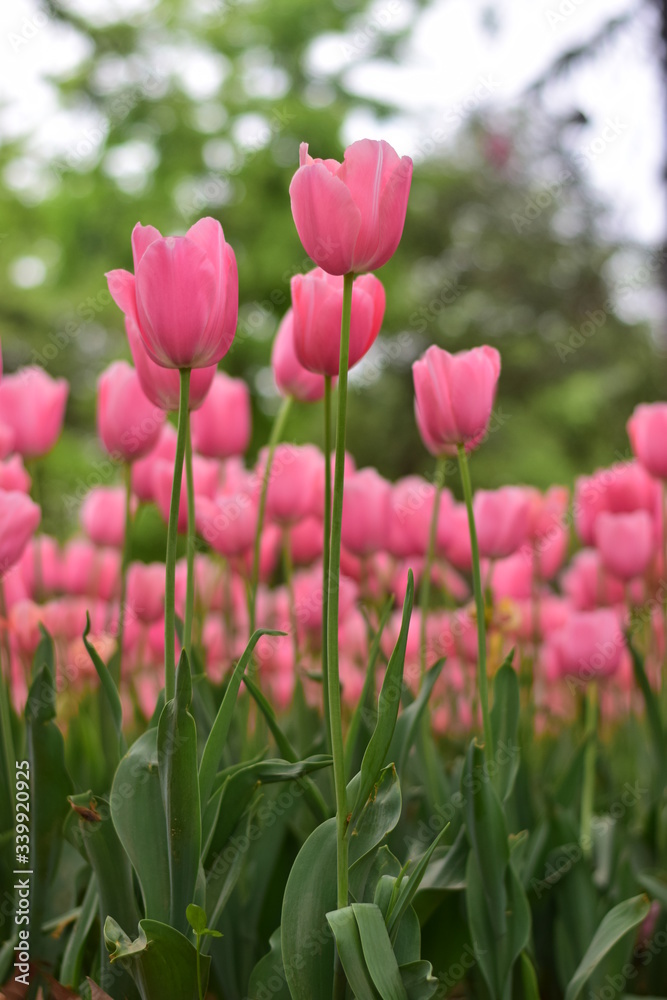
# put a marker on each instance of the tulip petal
(142, 237)
(393, 206)
(122, 290)
(326, 217)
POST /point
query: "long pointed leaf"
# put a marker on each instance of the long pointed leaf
(369, 683)
(388, 703)
(378, 951)
(616, 924)
(215, 744)
(108, 686)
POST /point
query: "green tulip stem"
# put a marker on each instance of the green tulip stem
(482, 679)
(333, 584)
(588, 786)
(190, 551)
(326, 552)
(425, 592)
(172, 537)
(125, 562)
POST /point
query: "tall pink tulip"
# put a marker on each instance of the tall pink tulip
(647, 430)
(317, 303)
(221, 426)
(33, 404)
(626, 542)
(350, 215)
(128, 423)
(454, 395)
(162, 385)
(19, 517)
(589, 645)
(183, 295)
(292, 378)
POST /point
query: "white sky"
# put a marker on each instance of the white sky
(449, 67)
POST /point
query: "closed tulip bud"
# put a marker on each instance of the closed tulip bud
(350, 215)
(19, 517)
(145, 591)
(228, 522)
(292, 379)
(454, 395)
(366, 512)
(13, 475)
(589, 645)
(305, 541)
(317, 303)
(183, 295)
(162, 385)
(411, 511)
(221, 426)
(647, 430)
(103, 515)
(128, 423)
(620, 489)
(502, 520)
(626, 542)
(292, 482)
(588, 585)
(32, 406)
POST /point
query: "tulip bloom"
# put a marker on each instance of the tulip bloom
(228, 523)
(145, 591)
(647, 430)
(317, 302)
(350, 215)
(291, 377)
(19, 517)
(454, 396)
(366, 512)
(143, 469)
(103, 516)
(128, 423)
(620, 489)
(502, 520)
(205, 474)
(293, 482)
(32, 405)
(183, 295)
(626, 542)
(589, 645)
(221, 427)
(162, 385)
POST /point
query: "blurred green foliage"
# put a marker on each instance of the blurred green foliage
(502, 240)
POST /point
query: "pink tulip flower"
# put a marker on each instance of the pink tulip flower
(292, 490)
(205, 474)
(228, 523)
(13, 475)
(143, 469)
(32, 405)
(647, 430)
(44, 552)
(305, 541)
(317, 304)
(19, 517)
(102, 515)
(502, 520)
(292, 379)
(410, 520)
(145, 591)
(454, 395)
(162, 385)
(626, 542)
(620, 489)
(590, 644)
(128, 423)
(350, 216)
(183, 295)
(366, 512)
(221, 426)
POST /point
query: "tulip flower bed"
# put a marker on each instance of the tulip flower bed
(360, 740)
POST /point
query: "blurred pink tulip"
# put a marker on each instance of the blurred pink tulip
(13, 475)
(306, 540)
(626, 542)
(410, 519)
(350, 216)
(102, 515)
(291, 377)
(33, 405)
(162, 385)
(366, 512)
(588, 585)
(183, 295)
(128, 423)
(221, 427)
(647, 430)
(145, 591)
(589, 645)
(454, 395)
(44, 552)
(453, 542)
(502, 520)
(317, 304)
(19, 517)
(228, 523)
(292, 489)
(620, 489)
(143, 468)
